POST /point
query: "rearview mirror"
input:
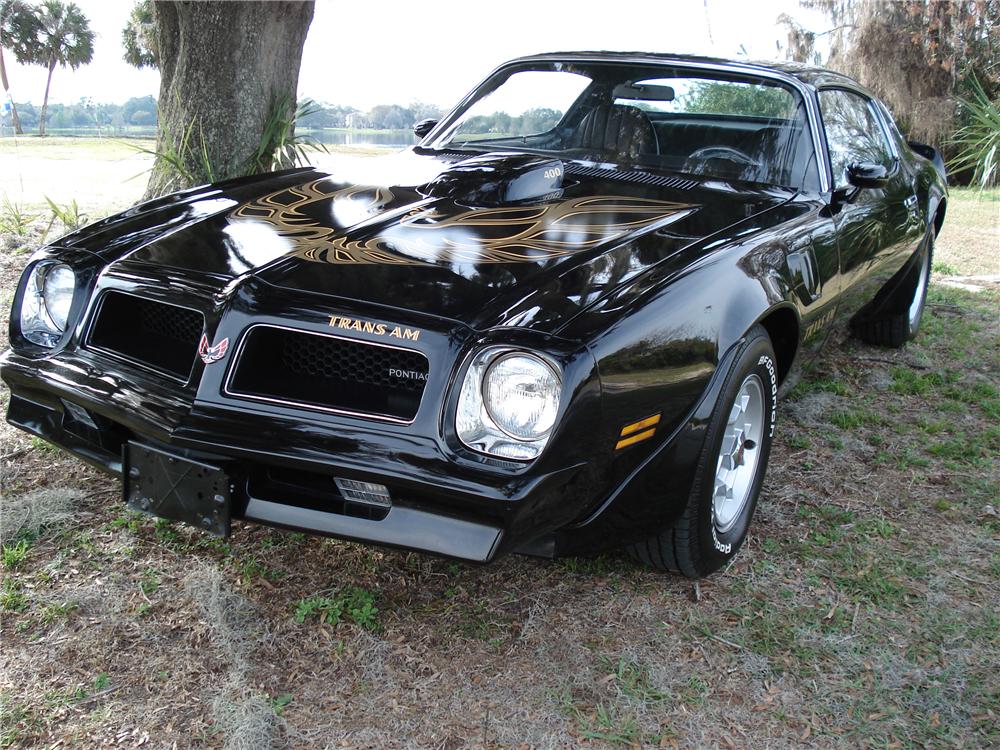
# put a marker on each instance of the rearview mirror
(423, 127)
(867, 175)
(644, 92)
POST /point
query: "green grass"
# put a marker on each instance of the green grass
(280, 702)
(607, 722)
(820, 385)
(854, 419)
(14, 554)
(355, 604)
(910, 382)
(966, 450)
(944, 269)
(632, 680)
(12, 596)
(42, 445)
(18, 722)
(150, 582)
(58, 611)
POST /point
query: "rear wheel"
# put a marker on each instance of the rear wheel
(730, 469)
(897, 320)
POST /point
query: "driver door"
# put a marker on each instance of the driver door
(877, 228)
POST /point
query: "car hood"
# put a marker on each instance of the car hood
(501, 239)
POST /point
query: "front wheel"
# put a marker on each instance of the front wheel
(730, 470)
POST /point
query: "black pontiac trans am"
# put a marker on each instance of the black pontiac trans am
(559, 324)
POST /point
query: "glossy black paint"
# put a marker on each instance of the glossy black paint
(660, 282)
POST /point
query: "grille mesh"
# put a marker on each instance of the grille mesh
(336, 359)
(324, 372)
(153, 334)
(177, 323)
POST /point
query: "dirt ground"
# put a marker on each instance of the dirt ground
(861, 613)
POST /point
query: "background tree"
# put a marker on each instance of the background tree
(228, 78)
(917, 55)
(138, 104)
(724, 98)
(64, 38)
(18, 33)
(139, 36)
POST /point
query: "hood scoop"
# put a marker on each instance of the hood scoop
(498, 179)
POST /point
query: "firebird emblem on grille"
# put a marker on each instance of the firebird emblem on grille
(210, 354)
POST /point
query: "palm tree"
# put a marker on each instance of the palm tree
(64, 39)
(18, 33)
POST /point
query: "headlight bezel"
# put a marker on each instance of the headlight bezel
(33, 324)
(474, 424)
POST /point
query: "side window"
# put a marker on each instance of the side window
(852, 133)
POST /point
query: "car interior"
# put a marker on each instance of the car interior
(622, 119)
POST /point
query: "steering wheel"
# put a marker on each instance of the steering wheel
(723, 152)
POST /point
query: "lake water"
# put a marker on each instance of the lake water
(389, 139)
(342, 137)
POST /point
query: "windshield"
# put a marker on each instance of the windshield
(708, 124)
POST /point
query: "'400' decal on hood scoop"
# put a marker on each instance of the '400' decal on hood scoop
(506, 234)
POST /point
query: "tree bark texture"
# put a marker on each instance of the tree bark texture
(45, 101)
(223, 68)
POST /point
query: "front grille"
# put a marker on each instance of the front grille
(326, 372)
(152, 334)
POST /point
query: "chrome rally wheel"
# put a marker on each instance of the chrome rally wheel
(739, 456)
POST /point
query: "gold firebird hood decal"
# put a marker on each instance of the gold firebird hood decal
(427, 235)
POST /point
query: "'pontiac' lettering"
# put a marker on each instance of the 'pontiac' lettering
(407, 374)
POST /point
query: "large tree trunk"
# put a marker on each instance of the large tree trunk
(45, 101)
(6, 89)
(224, 66)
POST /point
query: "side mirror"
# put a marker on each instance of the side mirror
(867, 175)
(423, 127)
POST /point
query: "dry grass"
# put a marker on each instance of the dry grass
(28, 515)
(245, 718)
(862, 612)
(969, 244)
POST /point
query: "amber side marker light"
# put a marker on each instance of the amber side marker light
(638, 431)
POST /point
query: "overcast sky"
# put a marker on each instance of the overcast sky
(390, 51)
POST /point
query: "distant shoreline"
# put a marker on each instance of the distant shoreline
(149, 132)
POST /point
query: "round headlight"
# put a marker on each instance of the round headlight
(521, 394)
(57, 294)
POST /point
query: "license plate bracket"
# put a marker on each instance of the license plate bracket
(172, 486)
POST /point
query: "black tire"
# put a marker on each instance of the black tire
(895, 319)
(694, 545)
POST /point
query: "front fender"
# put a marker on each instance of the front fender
(654, 492)
(663, 353)
(657, 347)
